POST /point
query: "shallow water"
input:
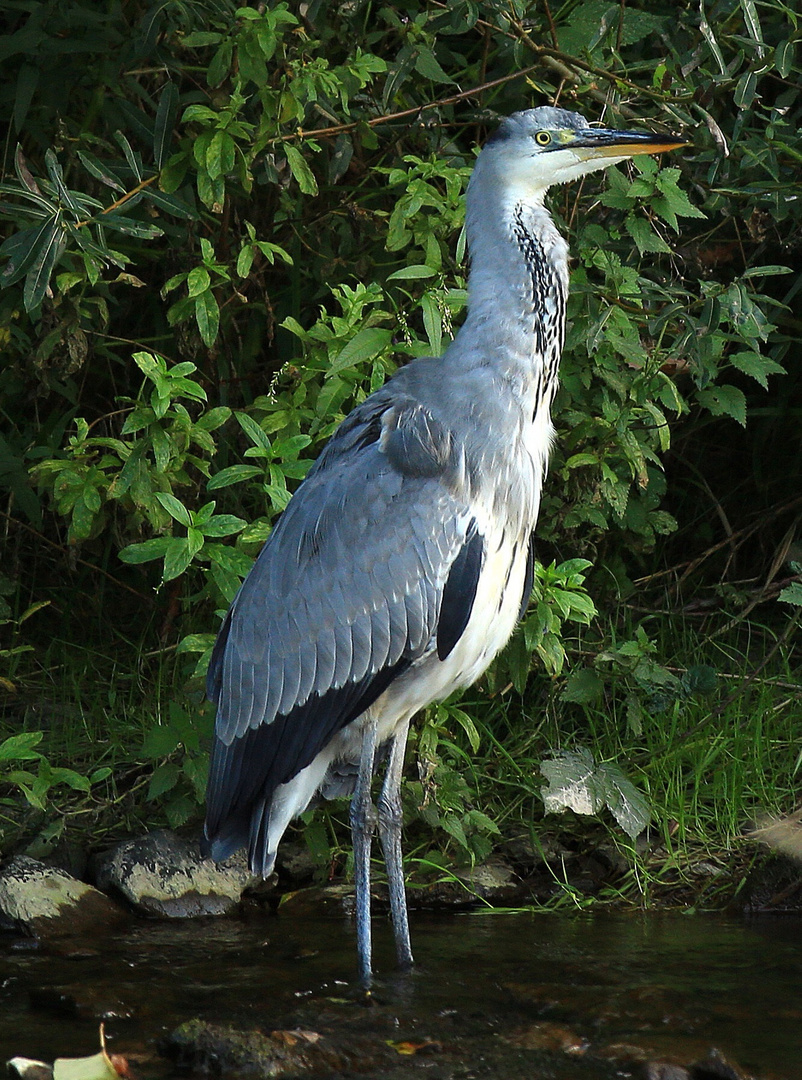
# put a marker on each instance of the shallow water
(489, 997)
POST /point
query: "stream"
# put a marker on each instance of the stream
(507, 995)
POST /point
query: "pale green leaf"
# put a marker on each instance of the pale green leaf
(300, 170)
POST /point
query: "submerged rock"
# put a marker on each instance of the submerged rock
(227, 1051)
(162, 874)
(46, 902)
(494, 882)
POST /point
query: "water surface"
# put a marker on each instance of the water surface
(490, 995)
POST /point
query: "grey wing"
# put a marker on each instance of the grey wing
(373, 564)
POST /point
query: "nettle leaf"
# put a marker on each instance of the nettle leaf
(646, 239)
(583, 686)
(572, 783)
(724, 401)
(757, 366)
(577, 782)
(792, 594)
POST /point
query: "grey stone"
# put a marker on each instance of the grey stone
(163, 874)
(47, 902)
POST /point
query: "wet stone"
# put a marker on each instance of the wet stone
(28, 1069)
(662, 1070)
(774, 885)
(80, 1002)
(494, 882)
(716, 1067)
(162, 874)
(227, 1051)
(47, 903)
(548, 1036)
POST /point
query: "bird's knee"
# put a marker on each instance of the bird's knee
(363, 816)
(390, 812)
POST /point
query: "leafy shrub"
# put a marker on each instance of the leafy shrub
(225, 225)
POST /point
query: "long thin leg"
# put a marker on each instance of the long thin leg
(390, 832)
(363, 824)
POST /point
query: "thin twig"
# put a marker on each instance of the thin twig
(121, 201)
(784, 636)
(83, 562)
(744, 533)
(386, 118)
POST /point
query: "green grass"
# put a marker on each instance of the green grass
(710, 764)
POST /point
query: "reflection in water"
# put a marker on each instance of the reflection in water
(487, 988)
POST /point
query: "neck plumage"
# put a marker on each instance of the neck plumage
(516, 294)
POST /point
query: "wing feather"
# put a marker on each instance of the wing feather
(344, 597)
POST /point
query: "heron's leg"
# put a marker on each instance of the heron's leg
(363, 823)
(390, 832)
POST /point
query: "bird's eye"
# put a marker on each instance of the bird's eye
(542, 138)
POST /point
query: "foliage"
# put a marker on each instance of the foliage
(17, 759)
(178, 745)
(224, 225)
(577, 782)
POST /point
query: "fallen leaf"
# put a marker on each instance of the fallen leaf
(404, 1046)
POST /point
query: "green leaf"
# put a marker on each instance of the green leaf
(223, 525)
(412, 273)
(757, 366)
(231, 560)
(220, 154)
(745, 90)
(165, 122)
(724, 401)
(177, 557)
(207, 316)
(233, 474)
(146, 551)
(133, 161)
(200, 38)
(468, 726)
(254, 432)
(99, 171)
(69, 777)
(50, 246)
(174, 508)
(700, 679)
(784, 58)
(220, 65)
(583, 686)
(427, 65)
(164, 779)
(213, 418)
(21, 249)
(365, 345)
(432, 323)
(300, 170)
(646, 239)
(791, 594)
(198, 281)
(578, 783)
(20, 747)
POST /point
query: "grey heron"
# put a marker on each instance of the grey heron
(404, 560)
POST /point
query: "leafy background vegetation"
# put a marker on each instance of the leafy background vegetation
(225, 224)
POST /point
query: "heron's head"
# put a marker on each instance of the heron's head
(535, 149)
